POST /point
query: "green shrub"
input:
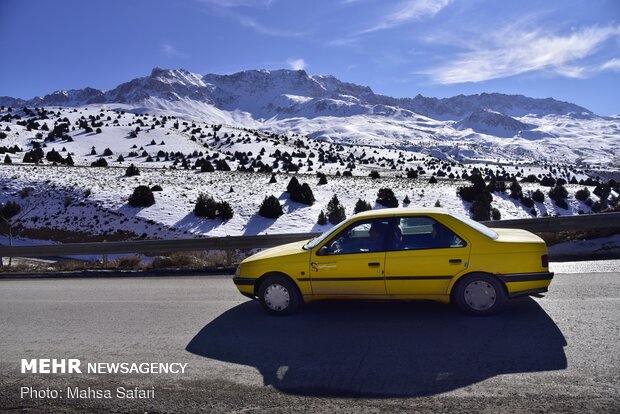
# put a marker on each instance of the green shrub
(335, 211)
(142, 197)
(386, 198)
(361, 205)
(582, 194)
(538, 196)
(132, 171)
(270, 208)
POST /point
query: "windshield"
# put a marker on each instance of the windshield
(318, 239)
(481, 228)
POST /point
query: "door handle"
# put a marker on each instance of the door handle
(374, 264)
(455, 261)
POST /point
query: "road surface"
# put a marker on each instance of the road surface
(560, 353)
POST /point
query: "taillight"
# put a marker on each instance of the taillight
(545, 260)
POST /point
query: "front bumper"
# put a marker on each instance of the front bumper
(245, 286)
(244, 281)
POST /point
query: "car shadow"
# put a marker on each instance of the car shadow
(383, 349)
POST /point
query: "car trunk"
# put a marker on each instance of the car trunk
(519, 236)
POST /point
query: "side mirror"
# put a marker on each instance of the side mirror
(323, 251)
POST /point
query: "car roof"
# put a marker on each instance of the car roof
(388, 212)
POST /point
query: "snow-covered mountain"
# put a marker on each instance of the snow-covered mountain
(492, 123)
(287, 93)
(322, 107)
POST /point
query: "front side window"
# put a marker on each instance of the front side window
(414, 233)
(362, 237)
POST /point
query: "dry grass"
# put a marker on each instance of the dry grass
(66, 236)
(564, 236)
(128, 262)
(23, 267)
(72, 265)
(195, 260)
(173, 260)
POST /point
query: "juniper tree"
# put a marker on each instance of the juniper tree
(205, 206)
(142, 196)
(361, 205)
(101, 162)
(132, 171)
(386, 198)
(224, 211)
(335, 211)
(293, 185)
(538, 196)
(270, 208)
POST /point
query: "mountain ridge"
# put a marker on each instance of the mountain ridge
(285, 93)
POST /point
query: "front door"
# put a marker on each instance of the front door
(424, 257)
(353, 261)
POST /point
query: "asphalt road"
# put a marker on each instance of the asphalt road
(560, 353)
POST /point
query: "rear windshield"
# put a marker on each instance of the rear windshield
(479, 227)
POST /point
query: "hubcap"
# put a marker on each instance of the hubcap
(277, 297)
(480, 295)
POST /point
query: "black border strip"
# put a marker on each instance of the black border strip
(525, 277)
(345, 279)
(244, 281)
(357, 279)
(528, 292)
(418, 277)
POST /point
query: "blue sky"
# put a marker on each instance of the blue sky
(568, 49)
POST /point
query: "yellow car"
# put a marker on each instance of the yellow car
(400, 254)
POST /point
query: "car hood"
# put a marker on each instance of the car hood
(279, 251)
(517, 236)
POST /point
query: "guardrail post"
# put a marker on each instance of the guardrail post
(104, 260)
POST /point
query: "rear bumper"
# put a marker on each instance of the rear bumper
(528, 292)
(523, 284)
(525, 277)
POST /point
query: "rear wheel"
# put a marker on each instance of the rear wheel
(480, 294)
(279, 295)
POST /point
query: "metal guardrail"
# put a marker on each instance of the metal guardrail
(536, 225)
(560, 223)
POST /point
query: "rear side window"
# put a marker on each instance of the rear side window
(415, 233)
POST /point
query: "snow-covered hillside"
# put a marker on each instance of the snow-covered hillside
(70, 200)
(64, 156)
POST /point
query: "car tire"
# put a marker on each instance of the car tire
(480, 294)
(279, 295)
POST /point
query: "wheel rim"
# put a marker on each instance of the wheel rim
(277, 297)
(480, 295)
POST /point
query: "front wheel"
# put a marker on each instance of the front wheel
(480, 294)
(279, 296)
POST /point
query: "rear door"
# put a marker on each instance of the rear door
(424, 257)
(352, 262)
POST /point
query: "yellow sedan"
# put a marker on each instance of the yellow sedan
(400, 254)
